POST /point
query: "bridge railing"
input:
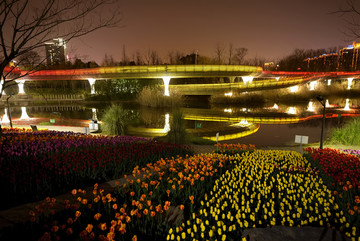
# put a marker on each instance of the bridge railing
(218, 88)
(179, 68)
(147, 71)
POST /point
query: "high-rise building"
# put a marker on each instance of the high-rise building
(55, 52)
(324, 62)
(349, 58)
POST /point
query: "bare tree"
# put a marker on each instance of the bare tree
(125, 59)
(29, 60)
(256, 61)
(171, 57)
(139, 60)
(178, 56)
(154, 58)
(351, 14)
(231, 50)
(27, 25)
(240, 53)
(147, 56)
(108, 61)
(219, 50)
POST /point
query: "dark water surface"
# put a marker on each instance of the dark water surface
(262, 126)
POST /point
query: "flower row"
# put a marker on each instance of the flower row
(352, 152)
(37, 164)
(233, 148)
(264, 189)
(151, 199)
(341, 171)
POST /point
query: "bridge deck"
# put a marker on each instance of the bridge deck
(156, 71)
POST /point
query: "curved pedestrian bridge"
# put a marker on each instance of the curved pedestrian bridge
(262, 79)
(146, 71)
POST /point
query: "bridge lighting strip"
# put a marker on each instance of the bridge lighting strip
(257, 120)
(233, 136)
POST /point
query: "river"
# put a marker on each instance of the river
(271, 125)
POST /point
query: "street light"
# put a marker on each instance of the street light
(321, 100)
(8, 106)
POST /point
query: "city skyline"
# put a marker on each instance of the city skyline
(269, 30)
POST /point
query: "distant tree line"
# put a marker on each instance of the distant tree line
(223, 54)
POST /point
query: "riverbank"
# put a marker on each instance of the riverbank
(198, 149)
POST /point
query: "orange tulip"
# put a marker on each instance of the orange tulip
(97, 216)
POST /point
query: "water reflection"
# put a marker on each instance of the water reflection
(294, 89)
(94, 114)
(347, 105)
(231, 122)
(24, 115)
(167, 123)
(292, 110)
(5, 118)
(244, 122)
(313, 85)
(310, 106)
(350, 80)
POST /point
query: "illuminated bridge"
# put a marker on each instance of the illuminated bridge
(263, 79)
(165, 72)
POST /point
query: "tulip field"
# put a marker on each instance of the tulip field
(266, 188)
(34, 165)
(341, 172)
(210, 196)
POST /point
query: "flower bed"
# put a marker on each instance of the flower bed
(266, 188)
(34, 165)
(153, 198)
(352, 152)
(232, 149)
(209, 196)
(341, 172)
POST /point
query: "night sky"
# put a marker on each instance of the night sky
(269, 29)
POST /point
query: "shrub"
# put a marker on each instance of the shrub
(154, 97)
(115, 120)
(117, 89)
(347, 134)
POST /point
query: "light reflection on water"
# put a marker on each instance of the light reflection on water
(275, 124)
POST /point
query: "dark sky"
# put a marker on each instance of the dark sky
(270, 29)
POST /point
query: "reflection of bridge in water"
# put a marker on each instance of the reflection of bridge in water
(239, 124)
(56, 108)
(230, 123)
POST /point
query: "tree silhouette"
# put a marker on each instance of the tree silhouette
(240, 54)
(350, 12)
(26, 26)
